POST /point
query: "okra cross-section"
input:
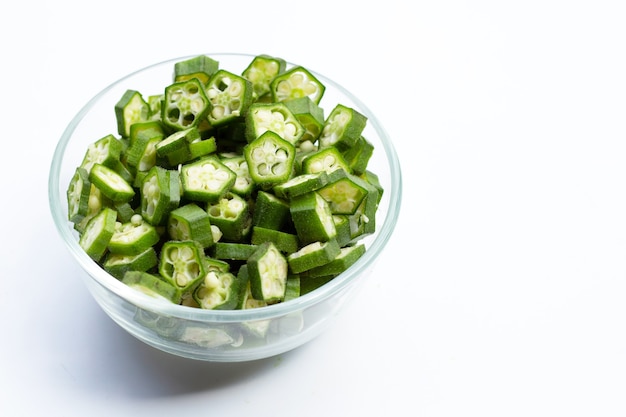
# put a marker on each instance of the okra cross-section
(160, 194)
(219, 290)
(182, 264)
(206, 179)
(312, 218)
(270, 159)
(261, 71)
(229, 97)
(295, 83)
(267, 272)
(184, 105)
(275, 117)
(343, 128)
(232, 215)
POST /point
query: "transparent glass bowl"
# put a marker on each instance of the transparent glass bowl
(221, 336)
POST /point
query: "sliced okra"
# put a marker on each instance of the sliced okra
(207, 179)
(270, 159)
(202, 147)
(310, 284)
(285, 242)
(117, 264)
(213, 264)
(155, 103)
(175, 147)
(313, 255)
(160, 194)
(145, 130)
(270, 211)
(133, 237)
(97, 234)
(363, 221)
(357, 157)
(295, 83)
(105, 151)
(342, 226)
(344, 194)
(292, 287)
(182, 264)
(261, 71)
(184, 105)
(141, 154)
(325, 159)
(131, 108)
(152, 285)
(312, 218)
(201, 67)
(218, 291)
(301, 184)
(190, 222)
(78, 193)
(346, 258)
(229, 96)
(243, 183)
(96, 202)
(257, 328)
(232, 215)
(274, 117)
(267, 273)
(233, 251)
(111, 184)
(342, 128)
(310, 116)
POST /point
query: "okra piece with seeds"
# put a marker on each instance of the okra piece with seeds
(111, 184)
(310, 115)
(218, 290)
(182, 264)
(190, 222)
(185, 104)
(201, 67)
(267, 273)
(206, 179)
(78, 194)
(98, 232)
(261, 71)
(231, 214)
(131, 108)
(273, 117)
(343, 128)
(105, 151)
(152, 285)
(160, 194)
(313, 255)
(117, 264)
(270, 159)
(312, 218)
(344, 194)
(295, 83)
(133, 237)
(229, 97)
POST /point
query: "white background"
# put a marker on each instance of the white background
(503, 290)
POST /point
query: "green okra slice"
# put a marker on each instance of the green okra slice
(357, 157)
(133, 237)
(295, 83)
(182, 264)
(301, 184)
(213, 264)
(313, 255)
(310, 115)
(203, 147)
(342, 128)
(273, 117)
(270, 159)
(111, 184)
(206, 179)
(96, 202)
(231, 214)
(345, 193)
(218, 290)
(363, 221)
(261, 71)
(78, 194)
(117, 264)
(244, 185)
(152, 285)
(270, 211)
(155, 103)
(160, 194)
(105, 151)
(346, 258)
(284, 241)
(257, 328)
(98, 232)
(175, 147)
(131, 108)
(233, 251)
(185, 104)
(325, 159)
(342, 226)
(312, 218)
(190, 222)
(292, 287)
(267, 273)
(310, 284)
(229, 96)
(201, 67)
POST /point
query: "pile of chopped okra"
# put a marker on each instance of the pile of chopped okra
(226, 190)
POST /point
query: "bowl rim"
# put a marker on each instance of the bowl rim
(342, 281)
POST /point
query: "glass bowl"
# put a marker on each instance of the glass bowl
(212, 335)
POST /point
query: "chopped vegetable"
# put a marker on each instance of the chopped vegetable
(226, 191)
